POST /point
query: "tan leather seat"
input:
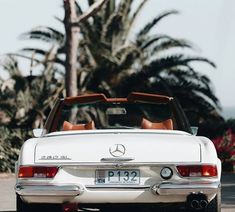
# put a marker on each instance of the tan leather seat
(68, 126)
(164, 125)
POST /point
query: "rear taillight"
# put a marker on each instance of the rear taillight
(37, 172)
(198, 171)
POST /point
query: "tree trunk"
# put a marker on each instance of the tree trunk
(71, 47)
(71, 22)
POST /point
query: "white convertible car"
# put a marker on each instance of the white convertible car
(136, 153)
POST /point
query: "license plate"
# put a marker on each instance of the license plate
(118, 177)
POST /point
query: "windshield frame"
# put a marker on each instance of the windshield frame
(178, 113)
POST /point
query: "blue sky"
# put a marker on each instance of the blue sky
(209, 25)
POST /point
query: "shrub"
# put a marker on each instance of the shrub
(225, 146)
(10, 143)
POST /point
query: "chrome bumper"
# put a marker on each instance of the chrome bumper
(48, 190)
(185, 189)
(159, 189)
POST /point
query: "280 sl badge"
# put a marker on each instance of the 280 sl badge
(55, 157)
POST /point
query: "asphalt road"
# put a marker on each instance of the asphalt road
(7, 195)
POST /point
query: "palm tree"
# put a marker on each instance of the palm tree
(25, 102)
(27, 99)
(112, 63)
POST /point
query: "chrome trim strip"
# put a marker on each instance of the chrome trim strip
(200, 152)
(184, 189)
(113, 160)
(133, 131)
(48, 190)
(117, 187)
(131, 164)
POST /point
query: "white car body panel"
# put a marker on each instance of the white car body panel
(151, 150)
(88, 141)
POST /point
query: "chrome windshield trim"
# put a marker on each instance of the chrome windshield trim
(115, 131)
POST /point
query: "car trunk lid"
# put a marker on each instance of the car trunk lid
(134, 146)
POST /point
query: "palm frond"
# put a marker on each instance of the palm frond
(193, 81)
(128, 57)
(85, 25)
(108, 10)
(137, 11)
(46, 34)
(10, 64)
(179, 60)
(156, 20)
(59, 19)
(147, 41)
(170, 44)
(125, 8)
(117, 23)
(35, 50)
(111, 26)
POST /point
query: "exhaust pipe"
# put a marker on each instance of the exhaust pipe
(195, 204)
(196, 201)
(203, 203)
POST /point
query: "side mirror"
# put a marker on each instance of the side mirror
(38, 132)
(194, 130)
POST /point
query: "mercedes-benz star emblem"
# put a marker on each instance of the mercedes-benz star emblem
(117, 150)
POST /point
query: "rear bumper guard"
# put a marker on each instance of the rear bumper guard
(48, 190)
(185, 189)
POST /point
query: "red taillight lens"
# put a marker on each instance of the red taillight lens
(25, 172)
(198, 171)
(37, 172)
(209, 171)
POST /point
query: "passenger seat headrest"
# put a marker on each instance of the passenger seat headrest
(69, 126)
(164, 125)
